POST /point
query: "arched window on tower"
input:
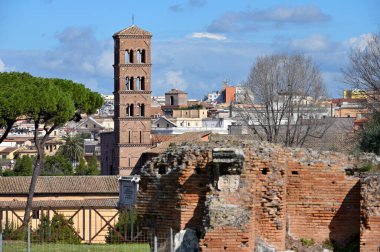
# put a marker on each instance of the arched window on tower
(138, 56)
(129, 136)
(142, 83)
(171, 100)
(138, 83)
(131, 56)
(131, 108)
(142, 110)
(126, 57)
(127, 83)
(140, 136)
(131, 83)
(127, 110)
(143, 56)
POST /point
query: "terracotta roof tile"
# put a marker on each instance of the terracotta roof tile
(8, 149)
(132, 30)
(60, 184)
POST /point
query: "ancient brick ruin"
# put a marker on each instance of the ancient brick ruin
(259, 197)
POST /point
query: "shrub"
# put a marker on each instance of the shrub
(113, 236)
(307, 242)
(328, 244)
(57, 230)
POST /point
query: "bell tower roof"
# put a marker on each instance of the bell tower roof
(132, 30)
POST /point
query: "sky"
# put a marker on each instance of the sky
(196, 44)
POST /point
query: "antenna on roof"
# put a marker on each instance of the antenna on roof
(133, 19)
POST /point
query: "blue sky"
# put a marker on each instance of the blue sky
(196, 44)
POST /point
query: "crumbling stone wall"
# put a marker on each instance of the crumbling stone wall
(276, 193)
(173, 189)
(322, 202)
(370, 213)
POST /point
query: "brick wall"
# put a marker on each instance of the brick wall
(281, 193)
(322, 202)
(370, 213)
(173, 190)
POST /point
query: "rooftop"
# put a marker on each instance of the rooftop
(61, 185)
(133, 30)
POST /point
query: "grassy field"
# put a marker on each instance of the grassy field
(52, 247)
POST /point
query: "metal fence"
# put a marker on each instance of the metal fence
(81, 229)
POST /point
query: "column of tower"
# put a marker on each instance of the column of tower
(132, 91)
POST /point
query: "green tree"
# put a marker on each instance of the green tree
(23, 166)
(72, 148)
(53, 102)
(82, 168)
(57, 230)
(122, 227)
(13, 91)
(370, 136)
(57, 165)
(93, 166)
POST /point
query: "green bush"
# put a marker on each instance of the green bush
(307, 242)
(10, 232)
(370, 136)
(328, 244)
(366, 167)
(57, 230)
(113, 236)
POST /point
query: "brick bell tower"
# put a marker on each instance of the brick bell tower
(132, 70)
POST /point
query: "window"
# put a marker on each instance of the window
(158, 125)
(126, 55)
(140, 136)
(131, 110)
(129, 137)
(131, 56)
(142, 83)
(143, 57)
(35, 214)
(167, 125)
(127, 83)
(138, 84)
(171, 100)
(142, 110)
(4, 156)
(138, 56)
(131, 84)
(188, 124)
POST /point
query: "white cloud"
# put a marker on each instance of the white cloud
(173, 79)
(2, 66)
(315, 42)
(253, 20)
(359, 42)
(104, 63)
(208, 35)
(88, 68)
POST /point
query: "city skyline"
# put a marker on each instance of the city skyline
(196, 44)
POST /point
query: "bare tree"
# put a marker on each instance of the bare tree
(286, 107)
(363, 71)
